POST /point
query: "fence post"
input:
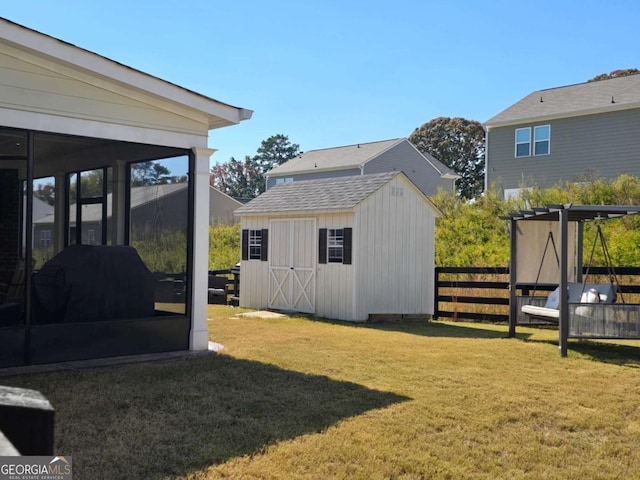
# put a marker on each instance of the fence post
(436, 294)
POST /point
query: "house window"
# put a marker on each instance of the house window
(335, 244)
(45, 238)
(284, 180)
(254, 244)
(541, 139)
(523, 142)
(91, 236)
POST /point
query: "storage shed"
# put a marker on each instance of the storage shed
(342, 248)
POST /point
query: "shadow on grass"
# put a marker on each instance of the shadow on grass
(623, 355)
(173, 418)
(439, 329)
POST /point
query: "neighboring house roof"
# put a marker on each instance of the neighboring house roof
(41, 209)
(572, 100)
(139, 196)
(346, 157)
(326, 194)
(218, 114)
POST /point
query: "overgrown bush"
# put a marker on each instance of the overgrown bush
(472, 233)
(165, 253)
(224, 246)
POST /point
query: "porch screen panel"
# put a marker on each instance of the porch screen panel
(158, 226)
(12, 238)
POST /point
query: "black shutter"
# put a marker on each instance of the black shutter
(322, 246)
(264, 245)
(346, 246)
(245, 244)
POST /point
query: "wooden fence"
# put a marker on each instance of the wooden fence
(482, 293)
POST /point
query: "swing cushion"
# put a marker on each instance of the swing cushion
(606, 292)
(541, 311)
(553, 300)
(590, 296)
(577, 293)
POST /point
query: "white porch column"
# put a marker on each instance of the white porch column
(199, 336)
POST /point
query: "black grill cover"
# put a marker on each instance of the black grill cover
(86, 283)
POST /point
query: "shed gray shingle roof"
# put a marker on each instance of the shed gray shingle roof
(572, 100)
(341, 193)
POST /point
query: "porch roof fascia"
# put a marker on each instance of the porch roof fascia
(218, 114)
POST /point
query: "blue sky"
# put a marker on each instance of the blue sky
(338, 72)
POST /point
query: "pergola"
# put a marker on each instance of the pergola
(528, 261)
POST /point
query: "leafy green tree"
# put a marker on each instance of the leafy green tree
(615, 74)
(246, 178)
(45, 192)
(274, 151)
(459, 144)
(149, 173)
(238, 178)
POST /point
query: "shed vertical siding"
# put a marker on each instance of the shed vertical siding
(606, 143)
(335, 280)
(254, 274)
(394, 252)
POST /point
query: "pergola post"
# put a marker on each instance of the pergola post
(563, 330)
(579, 246)
(513, 307)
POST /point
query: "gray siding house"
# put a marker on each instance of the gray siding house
(154, 209)
(427, 173)
(565, 134)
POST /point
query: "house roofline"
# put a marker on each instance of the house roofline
(314, 170)
(445, 175)
(342, 167)
(578, 113)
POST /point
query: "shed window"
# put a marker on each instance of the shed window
(334, 245)
(254, 244)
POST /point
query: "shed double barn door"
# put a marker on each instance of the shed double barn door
(292, 265)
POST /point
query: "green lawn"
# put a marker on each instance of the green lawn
(297, 398)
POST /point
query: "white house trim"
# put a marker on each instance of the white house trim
(199, 337)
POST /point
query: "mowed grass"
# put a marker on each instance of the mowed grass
(301, 398)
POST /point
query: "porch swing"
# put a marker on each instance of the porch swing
(583, 293)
